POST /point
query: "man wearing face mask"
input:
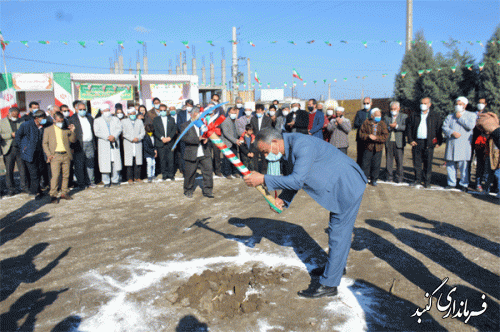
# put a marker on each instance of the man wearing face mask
(84, 146)
(243, 121)
(65, 111)
(239, 107)
(340, 127)
(154, 112)
(29, 140)
(230, 138)
(11, 151)
(394, 146)
(56, 145)
(281, 115)
(107, 129)
(297, 121)
(316, 119)
(182, 117)
(259, 122)
(28, 115)
(331, 178)
(133, 134)
(424, 132)
(373, 133)
(165, 131)
(478, 149)
(457, 128)
(361, 116)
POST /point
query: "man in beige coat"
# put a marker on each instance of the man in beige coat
(56, 142)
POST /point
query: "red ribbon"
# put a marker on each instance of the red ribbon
(214, 127)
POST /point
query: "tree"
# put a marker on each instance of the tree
(489, 77)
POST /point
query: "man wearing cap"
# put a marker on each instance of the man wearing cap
(394, 146)
(457, 128)
(340, 127)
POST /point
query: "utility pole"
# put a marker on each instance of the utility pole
(145, 58)
(409, 24)
(235, 66)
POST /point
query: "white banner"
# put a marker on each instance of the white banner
(33, 82)
(272, 94)
(170, 94)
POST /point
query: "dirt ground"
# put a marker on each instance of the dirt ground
(143, 257)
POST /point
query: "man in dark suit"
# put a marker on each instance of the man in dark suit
(181, 117)
(258, 122)
(394, 146)
(29, 139)
(424, 132)
(217, 160)
(32, 108)
(165, 131)
(84, 147)
(316, 119)
(197, 153)
(297, 121)
(361, 116)
(331, 178)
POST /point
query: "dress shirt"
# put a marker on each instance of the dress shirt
(259, 121)
(200, 148)
(59, 140)
(86, 129)
(164, 119)
(422, 127)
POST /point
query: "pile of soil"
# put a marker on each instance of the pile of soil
(224, 292)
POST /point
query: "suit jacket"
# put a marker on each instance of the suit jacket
(148, 147)
(360, 117)
(367, 129)
(49, 143)
(434, 128)
(317, 126)
(159, 131)
(399, 131)
(6, 139)
(74, 120)
(301, 122)
(329, 176)
(266, 123)
(29, 139)
(229, 135)
(192, 141)
(181, 118)
(459, 149)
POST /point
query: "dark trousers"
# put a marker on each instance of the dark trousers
(391, 153)
(343, 150)
(228, 167)
(340, 230)
(216, 159)
(10, 160)
(247, 161)
(259, 162)
(371, 164)
(35, 169)
(84, 161)
(206, 172)
(134, 171)
(166, 162)
(360, 147)
(481, 169)
(422, 157)
(178, 159)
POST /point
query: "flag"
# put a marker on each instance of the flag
(82, 43)
(324, 81)
(420, 72)
(365, 44)
(429, 43)
(7, 95)
(268, 85)
(234, 42)
(311, 41)
(315, 82)
(24, 42)
(274, 42)
(121, 44)
(140, 42)
(335, 80)
(344, 41)
(480, 43)
(256, 77)
(251, 44)
(481, 66)
(305, 83)
(64, 42)
(44, 42)
(470, 42)
(296, 74)
(186, 44)
(439, 69)
(292, 42)
(384, 41)
(210, 42)
(469, 66)
(345, 78)
(498, 62)
(328, 43)
(384, 75)
(285, 84)
(403, 74)
(294, 84)
(2, 41)
(164, 43)
(428, 70)
(62, 89)
(100, 42)
(399, 42)
(453, 68)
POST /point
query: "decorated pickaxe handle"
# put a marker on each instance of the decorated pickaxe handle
(217, 141)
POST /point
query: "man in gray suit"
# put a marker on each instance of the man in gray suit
(230, 138)
(10, 150)
(394, 146)
(331, 178)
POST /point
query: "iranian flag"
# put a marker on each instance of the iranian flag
(296, 74)
(251, 44)
(7, 94)
(256, 76)
(62, 89)
(2, 41)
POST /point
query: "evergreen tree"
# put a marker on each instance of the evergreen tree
(489, 77)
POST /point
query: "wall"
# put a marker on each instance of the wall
(45, 98)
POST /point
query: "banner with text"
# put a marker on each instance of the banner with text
(32, 82)
(171, 94)
(88, 91)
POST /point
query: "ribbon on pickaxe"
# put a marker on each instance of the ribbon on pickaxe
(213, 133)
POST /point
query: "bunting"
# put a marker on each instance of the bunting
(186, 43)
(2, 41)
(481, 66)
(292, 42)
(121, 44)
(101, 42)
(164, 43)
(140, 42)
(44, 42)
(256, 77)
(328, 43)
(64, 42)
(82, 43)
(310, 42)
(210, 42)
(251, 44)
(296, 74)
(24, 42)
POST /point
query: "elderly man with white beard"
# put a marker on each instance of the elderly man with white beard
(457, 128)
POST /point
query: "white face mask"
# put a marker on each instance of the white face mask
(329, 112)
(367, 107)
(233, 116)
(66, 114)
(189, 109)
(106, 114)
(119, 115)
(13, 119)
(459, 108)
(480, 106)
(295, 109)
(285, 113)
(423, 107)
(248, 113)
(59, 124)
(272, 113)
(394, 113)
(239, 105)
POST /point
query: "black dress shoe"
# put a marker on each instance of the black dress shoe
(321, 291)
(54, 200)
(209, 195)
(107, 185)
(414, 184)
(321, 269)
(189, 195)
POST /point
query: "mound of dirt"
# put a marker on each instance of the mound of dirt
(227, 293)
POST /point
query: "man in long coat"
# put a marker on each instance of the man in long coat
(458, 129)
(107, 129)
(133, 133)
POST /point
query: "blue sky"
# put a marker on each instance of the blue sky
(259, 21)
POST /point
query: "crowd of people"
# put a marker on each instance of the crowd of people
(56, 150)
